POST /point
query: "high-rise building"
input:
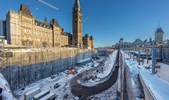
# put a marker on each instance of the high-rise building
(77, 25)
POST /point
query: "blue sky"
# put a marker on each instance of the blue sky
(108, 20)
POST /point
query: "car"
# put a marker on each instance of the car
(52, 77)
(65, 96)
(92, 65)
(56, 85)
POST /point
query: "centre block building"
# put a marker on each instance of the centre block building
(22, 29)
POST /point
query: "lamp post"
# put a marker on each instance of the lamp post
(139, 57)
(161, 51)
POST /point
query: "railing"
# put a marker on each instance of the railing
(147, 92)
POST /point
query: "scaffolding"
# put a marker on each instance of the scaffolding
(2, 51)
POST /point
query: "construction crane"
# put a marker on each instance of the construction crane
(48, 4)
(2, 51)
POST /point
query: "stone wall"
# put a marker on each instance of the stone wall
(38, 55)
(28, 66)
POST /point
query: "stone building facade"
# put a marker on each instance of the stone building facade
(158, 41)
(22, 29)
(88, 42)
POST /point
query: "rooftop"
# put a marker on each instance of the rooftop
(159, 30)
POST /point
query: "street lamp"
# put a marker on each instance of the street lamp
(120, 42)
(161, 51)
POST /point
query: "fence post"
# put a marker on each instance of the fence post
(147, 57)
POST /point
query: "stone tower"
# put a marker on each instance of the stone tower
(77, 25)
(159, 36)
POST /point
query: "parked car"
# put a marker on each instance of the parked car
(56, 85)
(52, 77)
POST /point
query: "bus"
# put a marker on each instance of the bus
(50, 96)
(29, 95)
(41, 94)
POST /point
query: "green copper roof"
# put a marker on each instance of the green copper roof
(77, 4)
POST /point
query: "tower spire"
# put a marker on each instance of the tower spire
(77, 25)
(77, 4)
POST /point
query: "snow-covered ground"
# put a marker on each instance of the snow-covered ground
(62, 79)
(109, 94)
(157, 84)
(107, 69)
(101, 74)
(132, 75)
(81, 61)
(6, 92)
(158, 87)
(163, 72)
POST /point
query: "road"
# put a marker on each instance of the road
(80, 90)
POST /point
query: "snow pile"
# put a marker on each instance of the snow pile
(133, 67)
(107, 69)
(6, 92)
(84, 60)
(132, 75)
(87, 66)
(101, 74)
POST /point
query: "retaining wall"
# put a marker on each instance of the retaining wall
(28, 66)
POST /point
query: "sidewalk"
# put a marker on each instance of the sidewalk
(158, 87)
(163, 72)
